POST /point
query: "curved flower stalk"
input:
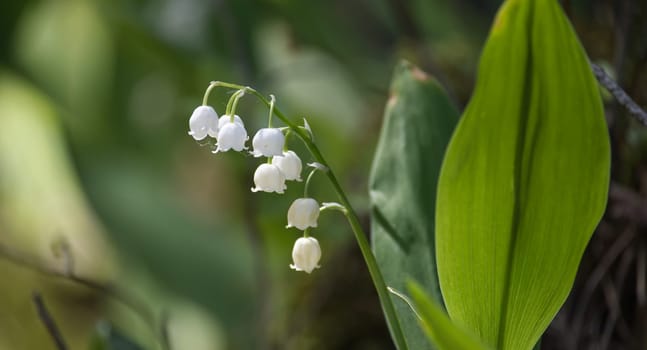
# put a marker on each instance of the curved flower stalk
(284, 164)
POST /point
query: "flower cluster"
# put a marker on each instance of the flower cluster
(282, 165)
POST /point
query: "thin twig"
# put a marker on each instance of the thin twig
(624, 265)
(110, 290)
(613, 305)
(48, 321)
(131, 301)
(628, 205)
(596, 277)
(641, 270)
(620, 95)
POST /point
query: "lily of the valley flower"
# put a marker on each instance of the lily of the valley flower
(203, 122)
(268, 142)
(269, 178)
(303, 213)
(227, 119)
(290, 165)
(306, 254)
(231, 136)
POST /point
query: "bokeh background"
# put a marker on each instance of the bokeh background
(100, 181)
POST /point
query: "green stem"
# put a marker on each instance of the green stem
(360, 236)
(272, 101)
(371, 263)
(230, 102)
(307, 185)
(232, 113)
(205, 99)
(287, 136)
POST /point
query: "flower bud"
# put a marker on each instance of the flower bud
(306, 254)
(203, 122)
(268, 142)
(290, 165)
(269, 178)
(303, 213)
(227, 119)
(231, 136)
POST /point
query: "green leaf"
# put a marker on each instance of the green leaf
(418, 123)
(524, 182)
(437, 325)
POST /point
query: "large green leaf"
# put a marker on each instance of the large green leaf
(418, 123)
(524, 182)
(439, 328)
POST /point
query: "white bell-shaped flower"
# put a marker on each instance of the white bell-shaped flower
(231, 136)
(306, 254)
(226, 119)
(203, 122)
(268, 142)
(269, 178)
(303, 213)
(290, 165)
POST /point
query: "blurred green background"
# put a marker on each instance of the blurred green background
(95, 158)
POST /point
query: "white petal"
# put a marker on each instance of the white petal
(202, 121)
(268, 142)
(303, 213)
(227, 119)
(269, 178)
(306, 254)
(212, 127)
(290, 165)
(231, 136)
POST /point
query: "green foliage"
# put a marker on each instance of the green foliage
(437, 325)
(33, 161)
(524, 182)
(66, 46)
(210, 268)
(418, 123)
(108, 338)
